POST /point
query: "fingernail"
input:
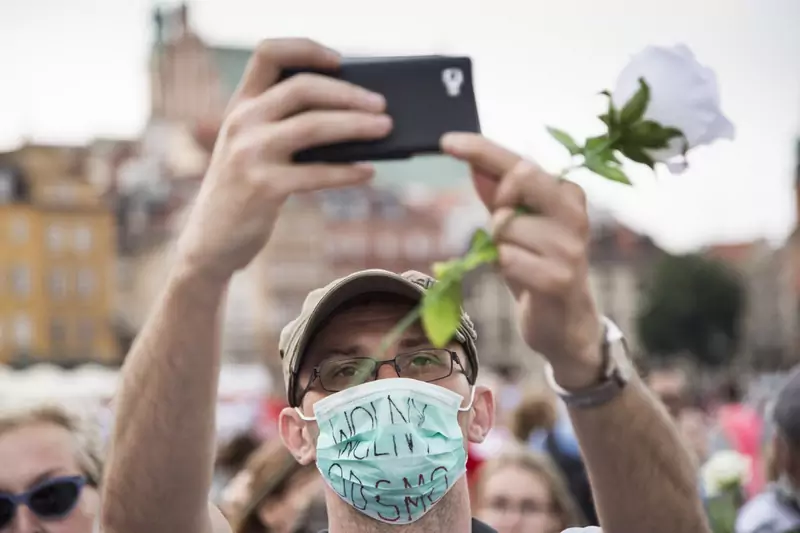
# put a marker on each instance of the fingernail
(449, 142)
(376, 100)
(366, 168)
(385, 121)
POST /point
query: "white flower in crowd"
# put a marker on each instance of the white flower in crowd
(683, 95)
(724, 470)
(665, 103)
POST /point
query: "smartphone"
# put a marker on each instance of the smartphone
(426, 96)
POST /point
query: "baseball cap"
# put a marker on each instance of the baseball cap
(322, 303)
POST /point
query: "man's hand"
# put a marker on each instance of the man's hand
(251, 172)
(543, 254)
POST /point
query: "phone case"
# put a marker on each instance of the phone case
(426, 97)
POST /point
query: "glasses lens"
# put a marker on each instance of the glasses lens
(339, 374)
(7, 508)
(55, 499)
(428, 365)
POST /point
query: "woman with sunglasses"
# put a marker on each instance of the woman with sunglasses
(50, 465)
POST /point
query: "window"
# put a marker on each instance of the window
(58, 283)
(58, 333)
(55, 237)
(83, 239)
(23, 331)
(20, 280)
(19, 229)
(85, 332)
(85, 282)
(6, 186)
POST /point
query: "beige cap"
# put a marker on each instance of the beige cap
(322, 303)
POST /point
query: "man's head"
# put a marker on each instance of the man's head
(670, 384)
(786, 441)
(50, 459)
(342, 331)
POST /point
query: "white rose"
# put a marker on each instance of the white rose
(683, 95)
(725, 468)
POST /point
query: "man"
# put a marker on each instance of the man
(163, 445)
(777, 508)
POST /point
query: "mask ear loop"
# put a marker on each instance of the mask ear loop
(471, 400)
(304, 417)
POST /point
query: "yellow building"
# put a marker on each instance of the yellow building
(57, 260)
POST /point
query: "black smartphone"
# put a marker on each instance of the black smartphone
(426, 96)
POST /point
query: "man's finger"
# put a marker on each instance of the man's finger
(526, 271)
(527, 185)
(319, 128)
(313, 91)
(480, 152)
(315, 177)
(543, 236)
(273, 55)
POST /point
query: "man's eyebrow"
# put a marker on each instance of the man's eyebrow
(416, 341)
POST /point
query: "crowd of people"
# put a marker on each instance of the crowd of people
(383, 428)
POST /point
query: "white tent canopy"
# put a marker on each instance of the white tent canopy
(241, 390)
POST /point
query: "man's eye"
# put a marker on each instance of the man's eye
(425, 360)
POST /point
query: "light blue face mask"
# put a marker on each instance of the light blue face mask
(391, 448)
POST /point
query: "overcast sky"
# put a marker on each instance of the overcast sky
(74, 69)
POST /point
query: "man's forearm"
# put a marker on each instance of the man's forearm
(642, 475)
(160, 467)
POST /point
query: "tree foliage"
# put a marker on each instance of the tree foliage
(693, 305)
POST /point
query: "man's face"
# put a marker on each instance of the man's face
(29, 457)
(359, 332)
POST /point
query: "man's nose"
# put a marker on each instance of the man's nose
(387, 371)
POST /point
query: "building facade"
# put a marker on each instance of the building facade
(57, 261)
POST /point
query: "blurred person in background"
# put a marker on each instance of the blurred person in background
(739, 426)
(50, 467)
(776, 509)
(523, 492)
(541, 422)
(275, 492)
(231, 459)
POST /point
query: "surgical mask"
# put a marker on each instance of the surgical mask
(391, 448)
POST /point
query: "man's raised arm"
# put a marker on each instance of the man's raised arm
(642, 476)
(160, 468)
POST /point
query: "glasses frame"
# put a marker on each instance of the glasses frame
(315, 372)
(24, 498)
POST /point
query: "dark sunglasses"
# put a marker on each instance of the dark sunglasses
(52, 499)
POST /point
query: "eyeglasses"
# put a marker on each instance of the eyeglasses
(52, 499)
(525, 507)
(336, 375)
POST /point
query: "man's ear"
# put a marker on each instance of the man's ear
(482, 415)
(296, 436)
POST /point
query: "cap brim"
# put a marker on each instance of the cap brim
(348, 288)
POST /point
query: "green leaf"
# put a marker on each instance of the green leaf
(481, 250)
(611, 117)
(634, 153)
(650, 134)
(596, 144)
(565, 139)
(634, 109)
(441, 311)
(607, 170)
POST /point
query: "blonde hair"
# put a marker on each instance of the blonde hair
(83, 429)
(565, 507)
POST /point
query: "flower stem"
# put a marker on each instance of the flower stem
(397, 331)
